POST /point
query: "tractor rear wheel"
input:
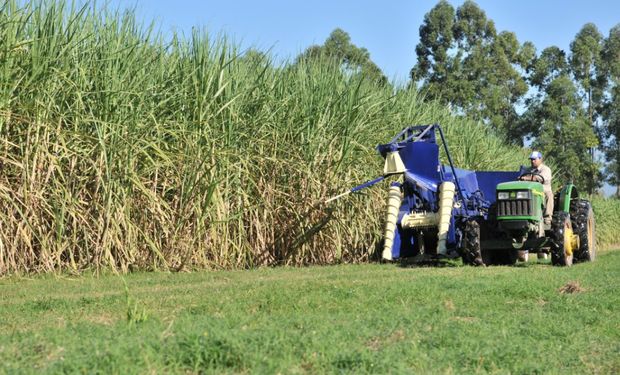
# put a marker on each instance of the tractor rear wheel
(470, 250)
(583, 226)
(562, 233)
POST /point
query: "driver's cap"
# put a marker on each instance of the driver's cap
(536, 155)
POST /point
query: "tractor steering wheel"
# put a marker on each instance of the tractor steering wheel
(533, 177)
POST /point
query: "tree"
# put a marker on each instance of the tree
(557, 121)
(464, 62)
(611, 107)
(256, 58)
(544, 69)
(548, 66)
(434, 65)
(353, 59)
(611, 132)
(585, 62)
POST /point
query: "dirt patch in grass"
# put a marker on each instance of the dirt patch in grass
(571, 287)
(449, 305)
(464, 319)
(103, 319)
(376, 342)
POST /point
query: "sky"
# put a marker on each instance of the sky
(388, 29)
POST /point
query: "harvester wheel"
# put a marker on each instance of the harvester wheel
(470, 251)
(562, 232)
(583, 226)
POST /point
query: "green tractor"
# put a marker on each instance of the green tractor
(515, 227)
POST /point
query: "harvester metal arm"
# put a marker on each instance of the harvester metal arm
(357, 188)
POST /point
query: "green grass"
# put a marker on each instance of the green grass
(346, 318)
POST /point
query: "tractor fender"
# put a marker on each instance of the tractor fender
(568, 192)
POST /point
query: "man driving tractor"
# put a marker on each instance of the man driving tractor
(541, 173)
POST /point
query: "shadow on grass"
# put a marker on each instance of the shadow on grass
(448, 263)
(429, 262)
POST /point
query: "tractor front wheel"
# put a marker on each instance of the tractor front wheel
(562, 244)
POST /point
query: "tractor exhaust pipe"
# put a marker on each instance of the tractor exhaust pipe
(446, 201)
(394, 199)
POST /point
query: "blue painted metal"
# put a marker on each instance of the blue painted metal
(445, 146)
(487, 181)
(357, 188)
(367, 184)
(419, 151)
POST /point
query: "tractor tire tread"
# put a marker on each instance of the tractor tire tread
(558, 256)
(581, 211)
(470, 250)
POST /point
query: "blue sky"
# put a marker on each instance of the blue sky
(388, 29)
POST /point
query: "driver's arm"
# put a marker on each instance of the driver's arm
(546, 173)
(527, 176)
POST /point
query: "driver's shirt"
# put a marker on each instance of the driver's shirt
(545, 172)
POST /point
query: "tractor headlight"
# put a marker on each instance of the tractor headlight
(502, 195)
(523, 195)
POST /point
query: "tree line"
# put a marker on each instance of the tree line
(564, 103)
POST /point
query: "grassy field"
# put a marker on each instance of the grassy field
(347, 318)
